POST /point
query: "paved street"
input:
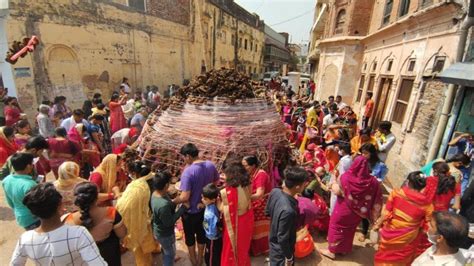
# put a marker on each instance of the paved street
(10, 233)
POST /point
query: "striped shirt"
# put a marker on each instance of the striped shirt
(66, 245)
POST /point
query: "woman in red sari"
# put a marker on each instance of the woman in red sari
(12, 111)
(261, 187)
(117, 118)
(405, 216)
(61, 149)
(359, 196)
(238, 217)
(7, 144)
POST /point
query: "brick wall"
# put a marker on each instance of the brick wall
(360, 19)
(173, 10)
(427, 115)
(411, 148)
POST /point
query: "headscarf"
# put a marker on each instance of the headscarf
(108, 170)
(362, 191)
(68, 173)
(9, 145)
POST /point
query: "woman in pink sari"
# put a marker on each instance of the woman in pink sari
(117, 118)
(359, 196)
(90, 153)
(287, 110)
(238, 217)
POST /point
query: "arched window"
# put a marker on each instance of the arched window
(340, 20)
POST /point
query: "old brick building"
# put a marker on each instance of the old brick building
(88, 46)
(336, 44)
(393, 49)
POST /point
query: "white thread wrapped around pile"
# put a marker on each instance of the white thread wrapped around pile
(218, 129)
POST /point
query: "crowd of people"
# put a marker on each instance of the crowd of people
(347, 159)
(78, 184)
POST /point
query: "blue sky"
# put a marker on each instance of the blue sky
(292, 16)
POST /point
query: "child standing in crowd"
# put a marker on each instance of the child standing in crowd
(165, 216)
(212, 226)
(16, 185)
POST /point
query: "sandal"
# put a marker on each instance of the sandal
(328, 254)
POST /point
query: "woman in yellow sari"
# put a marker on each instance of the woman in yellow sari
(68, 178)
(314, 122)
(404, 221)
(363, 137)
(134, 207)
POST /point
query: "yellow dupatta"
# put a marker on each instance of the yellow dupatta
(135, 211)
(9, 144)
(108, 170)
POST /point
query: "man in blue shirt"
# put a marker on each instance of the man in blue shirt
(212, 226)
(16, 185)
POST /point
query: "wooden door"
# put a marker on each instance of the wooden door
(381, 101)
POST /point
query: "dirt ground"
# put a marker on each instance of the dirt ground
(10, 231)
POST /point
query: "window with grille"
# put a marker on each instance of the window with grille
(361, 88)
(387, 11)
(137, 4)
(404, 7)
(402, 100)
(439, 63)
(340, 20)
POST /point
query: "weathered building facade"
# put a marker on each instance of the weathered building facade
(398, 50)
(233, 37)
(276, 54)
(88, 46)
(336, 45)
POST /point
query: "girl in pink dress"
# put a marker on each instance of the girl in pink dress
(117, 118)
